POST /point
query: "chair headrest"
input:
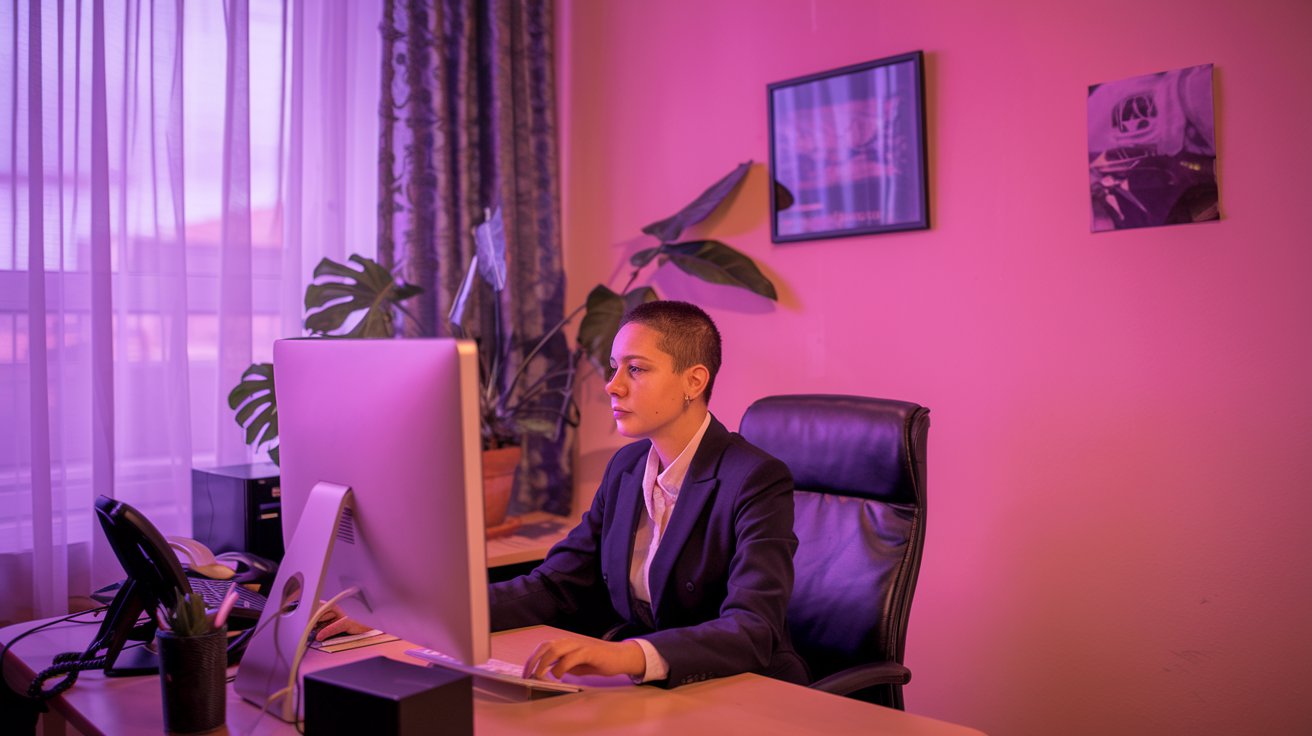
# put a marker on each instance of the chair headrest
(846, 445)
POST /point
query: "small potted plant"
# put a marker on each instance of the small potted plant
(193, 663)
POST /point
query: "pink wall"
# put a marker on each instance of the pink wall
(1119, 460)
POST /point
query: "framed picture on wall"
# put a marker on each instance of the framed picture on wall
(847, 151)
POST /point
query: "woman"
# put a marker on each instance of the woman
(688, 545)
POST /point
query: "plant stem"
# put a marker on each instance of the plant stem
(542, 343)
(407, 313)
(536, 389)
(574, 355)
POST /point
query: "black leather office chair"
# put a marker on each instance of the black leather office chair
(859, 467)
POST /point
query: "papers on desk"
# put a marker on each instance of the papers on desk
(354, 641)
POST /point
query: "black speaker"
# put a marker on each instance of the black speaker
(384, 696)
(238, 508)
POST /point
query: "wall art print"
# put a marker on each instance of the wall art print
(847, 151)
(1152, 150)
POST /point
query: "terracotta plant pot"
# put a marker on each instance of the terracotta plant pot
(498, 479)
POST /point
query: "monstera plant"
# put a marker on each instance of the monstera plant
(336, 293)
(708, 260)
(513, 406)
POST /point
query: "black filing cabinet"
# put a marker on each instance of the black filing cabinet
(238, 507)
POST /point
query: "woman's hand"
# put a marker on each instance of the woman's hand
(582, 656)
(338, 623)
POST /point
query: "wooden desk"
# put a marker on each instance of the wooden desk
(740, 704)
(537, 533)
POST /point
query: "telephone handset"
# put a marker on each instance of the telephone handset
(154, 578)
(200, 559)
(241, 567)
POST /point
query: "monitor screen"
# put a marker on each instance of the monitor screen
(381, 490)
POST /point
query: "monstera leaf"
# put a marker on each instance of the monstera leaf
(717, 263)
(669, 229)
(257, 408)
(708, 260)
(340, 291)
(602, 321)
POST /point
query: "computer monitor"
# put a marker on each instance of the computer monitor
(381, 489)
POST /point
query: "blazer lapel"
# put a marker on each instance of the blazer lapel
(698, 487)
(618, 545)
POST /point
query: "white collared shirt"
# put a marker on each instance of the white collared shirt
(660, 492)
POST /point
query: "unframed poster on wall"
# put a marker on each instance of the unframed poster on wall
(1152, 150)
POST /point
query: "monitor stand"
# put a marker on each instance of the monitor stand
(266, 667)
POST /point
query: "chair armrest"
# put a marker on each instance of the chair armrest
(863, 676)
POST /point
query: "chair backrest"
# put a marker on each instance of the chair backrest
(859, 468)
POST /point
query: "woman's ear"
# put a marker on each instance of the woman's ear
(694, 380)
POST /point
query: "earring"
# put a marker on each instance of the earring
(687, 399)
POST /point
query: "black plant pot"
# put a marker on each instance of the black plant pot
(192, 676)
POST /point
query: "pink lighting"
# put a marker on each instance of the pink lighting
(1118, 483)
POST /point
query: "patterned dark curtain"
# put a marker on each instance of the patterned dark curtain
(468, 124)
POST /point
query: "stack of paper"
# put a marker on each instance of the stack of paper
(354, 641)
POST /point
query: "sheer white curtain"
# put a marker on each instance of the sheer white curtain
(170, 172)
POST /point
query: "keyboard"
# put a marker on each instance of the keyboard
(501, 667)
(212, 592)
(495, 669)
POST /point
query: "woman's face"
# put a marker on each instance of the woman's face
(646, 395)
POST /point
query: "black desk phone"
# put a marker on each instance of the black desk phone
(154, 577)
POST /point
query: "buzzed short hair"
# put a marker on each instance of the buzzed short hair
(686, 333)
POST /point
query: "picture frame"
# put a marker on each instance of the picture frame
(847, 151)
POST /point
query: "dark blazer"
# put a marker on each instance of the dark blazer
(720, 582)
